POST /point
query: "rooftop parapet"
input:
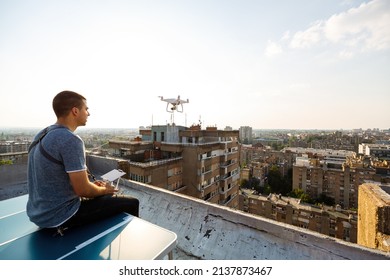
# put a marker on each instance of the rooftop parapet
(374, 216)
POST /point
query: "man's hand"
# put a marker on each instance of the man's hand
(99, 183)
(84, 188)
(110, 189)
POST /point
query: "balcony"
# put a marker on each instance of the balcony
(228, 192)
(228, 167)
(231, 155)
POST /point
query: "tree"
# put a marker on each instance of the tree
(244, 183)
(5, 162)
(278, 183)
(300, 194)
(253, 183)
(326, 200)
(266, 189)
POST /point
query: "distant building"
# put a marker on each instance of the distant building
(260, 159)
(245, 135)
(380, 151)
(336, 174)
(268, 141)
(330, 221)
(14, 146)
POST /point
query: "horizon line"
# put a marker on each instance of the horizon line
(136, 128)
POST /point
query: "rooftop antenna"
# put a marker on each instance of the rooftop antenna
(174, 104)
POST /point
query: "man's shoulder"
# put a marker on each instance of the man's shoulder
(60, 131)
(57, 135)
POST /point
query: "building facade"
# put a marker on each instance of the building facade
(380, 151)
(335, 174)
(330, 221)
(245, 135)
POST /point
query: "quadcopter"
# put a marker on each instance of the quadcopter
(176, 104)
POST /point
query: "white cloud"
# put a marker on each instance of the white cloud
(365, 28)
(273, 49)
(346, 54)
(309, 37)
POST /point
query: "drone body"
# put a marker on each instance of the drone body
(176, 104)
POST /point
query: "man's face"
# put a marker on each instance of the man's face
(83, 114)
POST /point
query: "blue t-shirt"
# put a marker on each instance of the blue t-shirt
(52, 200)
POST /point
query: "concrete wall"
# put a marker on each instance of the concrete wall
(101, 165)
(374, 217)
(13, 174)
(13, 180)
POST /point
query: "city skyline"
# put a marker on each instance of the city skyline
(264, 64)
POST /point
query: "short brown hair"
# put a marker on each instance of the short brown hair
(64, 101)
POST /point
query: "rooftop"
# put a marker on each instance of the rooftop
(211, 232)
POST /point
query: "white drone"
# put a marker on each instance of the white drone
(176, 104)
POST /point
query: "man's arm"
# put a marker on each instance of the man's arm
(84, 188)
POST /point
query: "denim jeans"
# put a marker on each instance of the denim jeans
(94, 209)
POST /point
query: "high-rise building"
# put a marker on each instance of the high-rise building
(245, 135)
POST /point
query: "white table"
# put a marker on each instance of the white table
(122, 237)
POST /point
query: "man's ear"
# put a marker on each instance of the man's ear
(75, 111)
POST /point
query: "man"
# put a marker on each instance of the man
(60, 193)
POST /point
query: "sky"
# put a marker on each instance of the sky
(280, 64)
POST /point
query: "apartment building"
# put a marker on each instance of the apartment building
(199, 163)
(245, 135)
(334, 222)
(258, 159)
(14, 146)
(337, 175)
(381, 151)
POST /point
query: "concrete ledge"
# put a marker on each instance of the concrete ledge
(212, 232)
(374, 217)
